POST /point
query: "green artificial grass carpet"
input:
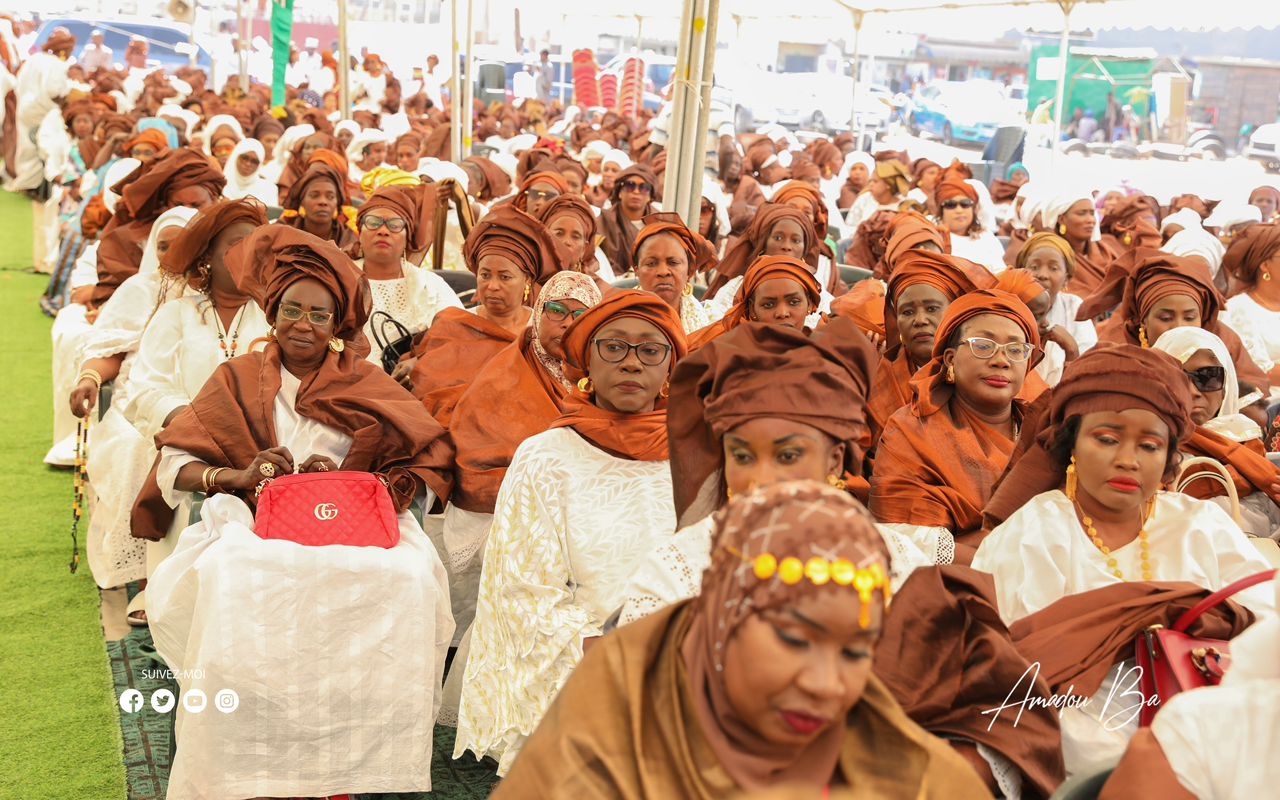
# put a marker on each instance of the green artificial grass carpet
(60, 734)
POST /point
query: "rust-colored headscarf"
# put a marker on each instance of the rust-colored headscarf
(410, 138)
(1249, 250)
(702, 254)
(639, 437)
(919, 167)
(1021, 284)
(145, 193)
(619, 234)
(496, 182)
(1136, 282)
(61, 39)
(416, 205)
(551, 176)
(508, 231)
(795, 519)
(274, 257)
(94, 217)
(1106, 378)
(1126, 226)
(953, 184)
(317, 171)
(952, 275)
(869, 242)
(580, 209)
(907, 231)
(752, 244)
(186, 253)
(818, 378)
(565, 164)
(765, 268)
(818, 209)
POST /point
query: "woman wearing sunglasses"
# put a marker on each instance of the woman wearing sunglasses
(391, 227)
(939, 457)
(1223, 433)
(634, 192)
(517, 394)
(580, 506)
(958, 212)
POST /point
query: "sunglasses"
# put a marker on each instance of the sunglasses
(638, 188)
(960, 203)
(1208, 379)
(558, 311)
(294, 313)
(395, 224)
(615, 351)
(1017, 352)
(542, 194)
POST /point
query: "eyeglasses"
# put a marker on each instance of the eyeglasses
(986, 349)
(638, 188)
(1208, 379)
(395, 224)
(542, 194)
(558, 311)
(962, 202)
(294, 313)
(615, 351)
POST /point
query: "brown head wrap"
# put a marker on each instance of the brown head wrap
(907, 231)
(817, 205)
(951, 275)
(410, 139)
(918, 168)
(264, 126)
(753, 242)
(274, 257)
(1021, 284)
(416, 205)
(318, 171)
(749, 373)
(1194, 202)
(94, 217)
(580, 209)
(869, 242)
(185, 255)
(496, 182)
(551, 176)
(797, 519)
(1136, 282)
(60, 40)
(146, 191)
(702, 255)
(530, 160)
(892, 172)
(1044, 239)
(635, 171)
(509, 232)
(1126, 222)
(1107, 378)
(152, 136)
(565, 164)
(1249, 250)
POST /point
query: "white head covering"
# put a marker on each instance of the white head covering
(617, 157)
(438, 171)
(1182, 344)
(857, 157)
(347, 125)
(1183, 218)
(176, 217)
(986, 217)
(1056, 202)
(255, 185)
(1232, 212)
(221, 121)
(711, 191)
(518, 144)
(116, 173)
(506, 162)
(189, 118)
(1194, 240)
(597, 147)
(291, 136)
(366, 137)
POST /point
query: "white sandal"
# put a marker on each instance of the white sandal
(138, 603)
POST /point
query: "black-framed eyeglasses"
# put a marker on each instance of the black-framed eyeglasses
(959, 202)
(615, 351)
(558, 311)
(395, 224)
(639, 187)
(542, 194)
(1208, 379)
(986, 349)
(294, 313)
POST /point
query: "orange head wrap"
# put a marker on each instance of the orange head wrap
(702, 255)
(951, 275)
(186, 254)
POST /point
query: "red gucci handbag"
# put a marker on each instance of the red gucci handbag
(1172, 661)
(322, 508)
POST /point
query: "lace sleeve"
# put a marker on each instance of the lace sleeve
(1008, 777)
(671, 573)
(936, 544)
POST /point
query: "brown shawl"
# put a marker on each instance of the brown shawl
(619, 233)
(457, 345)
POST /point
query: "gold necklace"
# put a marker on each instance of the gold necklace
(1143, 544)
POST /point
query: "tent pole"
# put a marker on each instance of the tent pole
(455, 86)
(1064, 46)
(680, 107)
(692, 211)
(858, 16)
(468, 89)
(344, 64)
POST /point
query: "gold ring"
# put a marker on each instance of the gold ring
(267, 469)
(322, 467)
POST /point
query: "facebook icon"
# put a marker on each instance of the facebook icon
(131, 700)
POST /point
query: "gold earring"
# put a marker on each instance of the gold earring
(271, 334)
(687, 290)
(665, 391)
(1128, 239)
(585, 386)
(728, 493)
(337, 345)
(951, 374)
(527, 290)
(1266, 276)
(1062, 229)
(1142, 336)
(837, 483)
(1073, 481)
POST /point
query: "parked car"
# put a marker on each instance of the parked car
(169, 42)
(1264, 146)
(823, 103)
(961, 111)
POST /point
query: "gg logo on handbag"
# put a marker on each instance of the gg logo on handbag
(326, 511)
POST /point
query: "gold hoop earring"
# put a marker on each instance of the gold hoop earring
(1142, 337)
(1266, 276)
(337, 345)
(271, 334)
(585, 386)
(665, 392)
(951, 374)
(837, 483)
(1073, 481)
(687, 290)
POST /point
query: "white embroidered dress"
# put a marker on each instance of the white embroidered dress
(413, 300)
(570, 525)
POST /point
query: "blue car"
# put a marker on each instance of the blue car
(957, 111)
(163, 39)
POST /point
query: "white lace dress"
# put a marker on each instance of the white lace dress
(570, 525)
(413, 300)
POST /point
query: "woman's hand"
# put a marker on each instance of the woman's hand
(1066, 341)
(318, 463)
(403, 372)
(278, 457)
(84, 397)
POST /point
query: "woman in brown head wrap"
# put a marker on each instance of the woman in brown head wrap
(763, 681)
(511, 254)
(537, 189)
(808, 199)
(318, 204)
(910, 230)
(300, 160)
(581, 502)
(923, 284)
(146, 146)
(268, 130)
(666, 257)
(869, 241)
(1153, 292)
(487, 182)
(406, 152)
(938, 459)
(1253, 265)
(574, 174)
(743, 189)
(571, 221)
(178, 178)
(634, 191)
(308, 403)
(81, 117)
(779, 290)
(1081, 525)
(777, 230)
(1132, 223)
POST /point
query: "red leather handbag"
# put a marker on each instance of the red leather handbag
(1171, 661)
(322, 508)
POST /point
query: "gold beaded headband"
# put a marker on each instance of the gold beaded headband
(820, 571)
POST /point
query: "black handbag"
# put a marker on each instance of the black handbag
(393, 347)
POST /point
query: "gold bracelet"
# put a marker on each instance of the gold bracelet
(204, 478)
(91, 374)
(213, 478)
